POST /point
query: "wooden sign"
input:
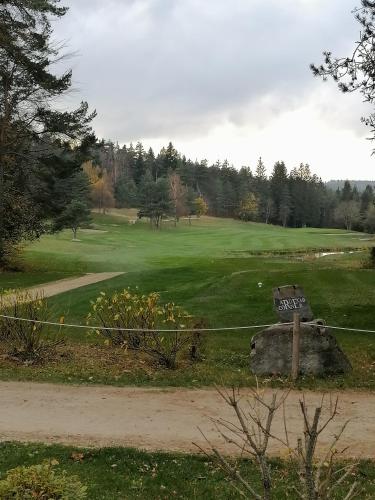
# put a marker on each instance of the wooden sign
(290, 299)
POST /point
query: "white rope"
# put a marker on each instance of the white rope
(349, 329)
(156, 330)
(138, 330)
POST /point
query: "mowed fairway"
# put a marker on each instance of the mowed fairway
(117, 246)
(213, 269)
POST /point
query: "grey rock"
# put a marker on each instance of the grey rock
(320, 354)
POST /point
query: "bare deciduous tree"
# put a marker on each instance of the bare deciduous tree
(347, 213)
(178, 195)
(251, 435)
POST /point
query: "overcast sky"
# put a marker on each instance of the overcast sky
(221, 79)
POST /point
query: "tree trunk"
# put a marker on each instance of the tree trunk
(4, 125)
(2, 239)
(266, 477)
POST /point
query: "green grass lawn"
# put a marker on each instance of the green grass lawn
(117, 473)
(212, 269)
(118, 246)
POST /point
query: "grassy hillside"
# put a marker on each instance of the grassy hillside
(212, 269)
(116, 245)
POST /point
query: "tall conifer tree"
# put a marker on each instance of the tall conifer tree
(36, 139)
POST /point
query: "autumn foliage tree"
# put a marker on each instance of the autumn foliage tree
(200, 206)
(249, 208)
(178, 195)
(101, 187)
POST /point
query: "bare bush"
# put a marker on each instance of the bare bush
(167, 347)
(319, 479)
(198, 341)
(27, 341)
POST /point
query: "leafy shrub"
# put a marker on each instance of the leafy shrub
(145, 312)
(27, 341)
(41, 482)
(125, 310)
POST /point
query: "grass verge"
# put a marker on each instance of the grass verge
(116, 473)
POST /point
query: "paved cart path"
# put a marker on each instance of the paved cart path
(68, 284)
(157, 419)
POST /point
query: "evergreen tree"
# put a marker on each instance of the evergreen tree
(140, 163)
(356, 73)
(278, 183)
(75, 215)
(155, 201)
(347, 192)
(263, 193)
(126, 193)
(130, 161)
(367, 198)
(150, 163)
(171, 158)
(285, 208)
(369, 221)
(260, 172)
(32, 131)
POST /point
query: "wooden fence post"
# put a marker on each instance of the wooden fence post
(296, 345)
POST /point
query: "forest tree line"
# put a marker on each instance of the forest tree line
(170, 185)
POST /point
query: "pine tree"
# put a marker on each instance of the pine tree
(356, 72)
(126, 193)
(369, 221)
(140, 163)
(155, 201)
(150, 163)
(260, 172)
(347, 192)
(367, 199)
(32, 130)
(75, 215)
(278, 182)
(285, 209)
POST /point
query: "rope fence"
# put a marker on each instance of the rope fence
(161, 330)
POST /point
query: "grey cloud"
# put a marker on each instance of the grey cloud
(179, 67)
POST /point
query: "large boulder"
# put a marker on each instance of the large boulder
(320, 354)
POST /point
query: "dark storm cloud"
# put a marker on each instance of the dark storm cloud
(180, 67)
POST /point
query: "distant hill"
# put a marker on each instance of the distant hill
(360, 185)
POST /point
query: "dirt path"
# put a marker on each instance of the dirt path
(155, 419)
(65, 285)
